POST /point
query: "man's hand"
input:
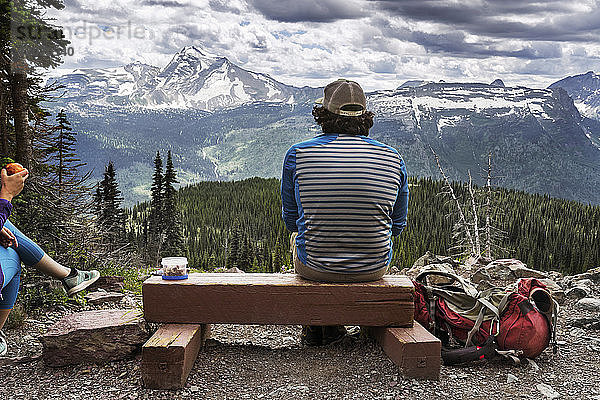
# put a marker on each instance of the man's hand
(7, 238)
(12, 184)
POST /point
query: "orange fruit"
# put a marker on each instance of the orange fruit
(14, 168)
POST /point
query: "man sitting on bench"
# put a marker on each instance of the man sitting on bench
(343, 196)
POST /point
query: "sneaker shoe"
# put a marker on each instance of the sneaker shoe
(3, 344)
(333, 334)
(80, 281)
(311, 335)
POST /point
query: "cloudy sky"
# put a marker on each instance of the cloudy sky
(378, 43)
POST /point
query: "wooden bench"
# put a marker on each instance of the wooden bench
(187, 308)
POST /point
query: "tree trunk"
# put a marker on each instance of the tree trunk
(18, 82)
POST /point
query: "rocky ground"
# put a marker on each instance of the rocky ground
(268, 362)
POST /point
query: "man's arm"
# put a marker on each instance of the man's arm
(289, 208)
(401, 205)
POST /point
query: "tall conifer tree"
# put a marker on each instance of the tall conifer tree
(174, 245)
(155, 219)
(233, 248)
(66, 161)
(112, 216)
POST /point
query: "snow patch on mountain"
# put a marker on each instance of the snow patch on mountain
(587, 110)
(447, 103)
(444, 122)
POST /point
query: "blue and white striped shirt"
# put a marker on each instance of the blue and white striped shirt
(346, 196)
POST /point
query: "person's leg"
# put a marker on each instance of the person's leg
(4, 316)
(317, 335)
(11, 271)
(32, 255)
(314, 335)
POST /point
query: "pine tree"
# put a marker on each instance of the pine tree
(155, 219)
(112, 217)
(233, 249)
(246, 254)
(67, 164)
(277, 259)
(175, 244)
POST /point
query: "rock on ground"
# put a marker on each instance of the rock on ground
(589, 303)
(94, 337)
(100, 297)
(504, 272)
(109, 284)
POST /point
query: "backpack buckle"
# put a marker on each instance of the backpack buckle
(492, 327)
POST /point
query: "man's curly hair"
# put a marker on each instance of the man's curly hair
(333, 123)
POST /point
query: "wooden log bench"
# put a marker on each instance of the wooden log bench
(187, 307)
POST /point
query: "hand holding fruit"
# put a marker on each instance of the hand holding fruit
(13, 180)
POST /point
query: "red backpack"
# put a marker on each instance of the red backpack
(524, 321)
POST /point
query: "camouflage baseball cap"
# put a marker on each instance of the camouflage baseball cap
(344, 97)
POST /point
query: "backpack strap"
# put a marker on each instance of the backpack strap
(468, 288)
(497, 311)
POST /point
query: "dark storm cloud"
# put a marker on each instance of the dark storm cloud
(562, 21)
(307, 11)
(455, 43)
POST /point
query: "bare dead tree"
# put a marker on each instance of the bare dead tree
(467, 234)
(493, 235)
(475, 218)
(488, 200)
(462, 224)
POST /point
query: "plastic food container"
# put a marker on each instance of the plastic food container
(174, 268)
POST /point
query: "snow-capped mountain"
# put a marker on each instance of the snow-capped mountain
(193, 79)
(585, 91)
(449, 104)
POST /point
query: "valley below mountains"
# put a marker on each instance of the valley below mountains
(223, 122)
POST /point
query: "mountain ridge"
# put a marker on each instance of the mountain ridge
(193, 79)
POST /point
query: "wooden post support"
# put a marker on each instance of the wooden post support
(169, 355)
(414, 350)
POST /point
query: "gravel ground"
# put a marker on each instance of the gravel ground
(268, 362)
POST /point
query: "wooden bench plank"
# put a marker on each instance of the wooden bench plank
(414, 350)
(169, 355)
(284, 299)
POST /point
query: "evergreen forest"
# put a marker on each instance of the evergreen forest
(238, 224)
